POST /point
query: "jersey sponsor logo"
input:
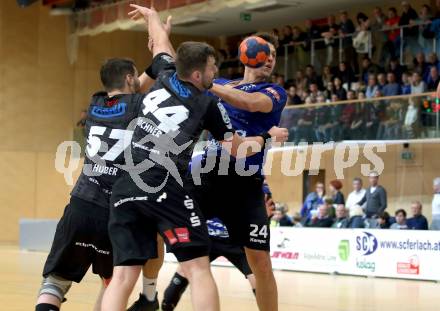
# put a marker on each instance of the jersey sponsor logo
(217, 229)
(130, 200)
(247, 87)
(178, 87)
(177, 235)
(274, 93)
(167, 58)
(109, 112)
(225, 115)
(182, 235)
(90, 245)
(169, 234)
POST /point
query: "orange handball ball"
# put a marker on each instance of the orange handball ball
(253, 52)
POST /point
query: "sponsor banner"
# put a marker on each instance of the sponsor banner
(409, 254)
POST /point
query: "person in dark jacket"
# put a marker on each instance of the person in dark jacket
(418, 221)
(335, 187)
(280, 218)
(375, 197)
(341, 220)
(383, 221)
(322, 219)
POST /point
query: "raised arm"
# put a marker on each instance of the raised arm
(253, 102)
(159, 40)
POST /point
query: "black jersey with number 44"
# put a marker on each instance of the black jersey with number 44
(107, 137)
(172, 117)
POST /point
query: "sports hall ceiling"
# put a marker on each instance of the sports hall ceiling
(264, 14)
(228, 21)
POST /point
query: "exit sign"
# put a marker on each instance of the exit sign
(245, 17)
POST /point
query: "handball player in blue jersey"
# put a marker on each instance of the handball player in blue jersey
(254, 105)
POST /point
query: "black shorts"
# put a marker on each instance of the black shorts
(235, 254)
(81, 239)
(136, 217)
(239, 202)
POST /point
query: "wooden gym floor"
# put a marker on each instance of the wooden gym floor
(20, 281)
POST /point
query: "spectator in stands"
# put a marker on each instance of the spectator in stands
(417, 221)
(436, 10)
(326, 76)
(406, 84)
(329, 91)
(419, 64)
(410, 34)
(286, 39)
(374, 112)
(313, 32)
(375, 197)
(400, 220)
(418, 86)
(383, 221)
(435, 225)
(314, 91)
(280, 218)
(347, 116)
(346, 74)
(372, 87)
(304, 130)
(393, 124)
(337, 196)
(411, 123)
(356, 195)
(432, 62)
(379, 37)
(435, 28)
(426, 36)
(281, 80)
(312, 77)
(292, 96)
(341, 220)
(357, 128)
(433, 79)
(346, 29)
(356, 218)
(368, 69)
(361, 39)
(340, 92)
(322, 115)
(381, 82)
(392, 88)
(299, 43)
(396, 68)
(329, 31)
(312, 201)
(332, 127)
(393, 42)
(82, 121)
(322, 219)
(300, 80)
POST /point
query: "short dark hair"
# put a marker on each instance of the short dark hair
(192, 56)
(268, 37)
(113, 72)
(358, 180)
(401, 211)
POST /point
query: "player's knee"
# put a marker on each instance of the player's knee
(55, 286)
(192, 268)
(260, 262)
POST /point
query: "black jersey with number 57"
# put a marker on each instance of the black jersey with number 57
(172, 116)
(107, 138)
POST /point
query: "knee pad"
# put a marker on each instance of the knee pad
(55, 286)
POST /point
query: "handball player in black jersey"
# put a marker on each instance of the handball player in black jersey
(151, 193)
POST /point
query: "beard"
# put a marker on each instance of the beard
(207, 83)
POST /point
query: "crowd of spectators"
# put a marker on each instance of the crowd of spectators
(359, 77)
(364, 208)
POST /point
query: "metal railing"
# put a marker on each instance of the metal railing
(382, 118)
(312, 43)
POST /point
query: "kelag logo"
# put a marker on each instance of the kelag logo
(366, 243)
